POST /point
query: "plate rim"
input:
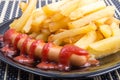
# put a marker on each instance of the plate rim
(54, 74)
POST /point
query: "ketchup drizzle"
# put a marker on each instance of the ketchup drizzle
(7, 35)
(24, 46)
(22, 58)
(44, 64)
(65, 54)
(33, 47)
(19, 36)
(45, 51)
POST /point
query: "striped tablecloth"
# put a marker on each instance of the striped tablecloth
(9, 9)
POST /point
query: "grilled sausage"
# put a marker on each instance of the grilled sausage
(63, 55)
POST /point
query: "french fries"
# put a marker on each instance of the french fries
(23, 6)
(101, 21)
(73, 32)
(106, 30)
(27, 26)
(115, 29)
(108, 11)
(25, 16)
(86, 2)
(51, 9)
(87, 39)
(69, 7)
(105, 47)
(88, 24)
(99, 35)
(38, 17)
(81, 11)
(62, 24)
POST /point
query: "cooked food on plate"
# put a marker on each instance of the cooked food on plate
(62, 35)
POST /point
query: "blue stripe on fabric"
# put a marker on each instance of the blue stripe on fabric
(117, 4)
(1, 6)
(15, 9)
(37, 6)
(20, 12)
(116, 13)
(42, 3)
(56, 0)
(7, 14)
(49, 1)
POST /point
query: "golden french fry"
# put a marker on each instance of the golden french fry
(25, 16)
(108, 11)
(81, 11)
(13, 23)
(46, 22)
(38, 21)
(116, 20)
(48, 11)
(87, 39)
(34, 21)
(57, 17)
(86, 2)
(23, 6)
(99, 35)
(62, 24)
(52, 8)
(105, 47)
(73, 32)
(54, 26)
(37, 13)
(34, 34)
(101, 21)
(42, 37)
(36, 24)
(106, 30)
(57, 42)
(115, 29)
(70, 6)
(45, 31)
(27, 26)
(71, 40)
(112, 19)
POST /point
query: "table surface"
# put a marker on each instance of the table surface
(9, 9)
